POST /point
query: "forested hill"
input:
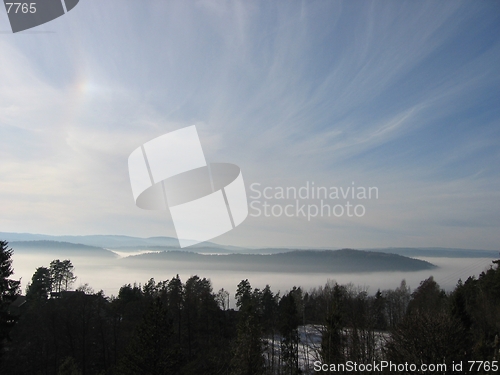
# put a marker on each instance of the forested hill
(339, 261)
(213, 258)
(62, 249)
(433, 252)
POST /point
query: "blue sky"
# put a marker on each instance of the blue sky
(401, 95)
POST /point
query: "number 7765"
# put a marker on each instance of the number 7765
(25, 7)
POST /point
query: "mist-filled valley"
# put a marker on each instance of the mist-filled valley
(134, 260)
(110, 278)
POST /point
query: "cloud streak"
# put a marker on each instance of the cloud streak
(397, 95)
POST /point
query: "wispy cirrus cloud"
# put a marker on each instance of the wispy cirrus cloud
(400, 95)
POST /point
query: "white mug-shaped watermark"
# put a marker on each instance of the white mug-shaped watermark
(205, 200)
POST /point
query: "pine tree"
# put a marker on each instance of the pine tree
(9, 290)
(152, 350)
(61, 274)
(248, 358)
(40, 285)
(289, 323)
(333, 340)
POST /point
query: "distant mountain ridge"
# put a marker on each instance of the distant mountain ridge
(63, 249)
(130, 244)
(439, 252)
(98, 240)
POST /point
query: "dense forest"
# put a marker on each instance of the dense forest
(185, 327)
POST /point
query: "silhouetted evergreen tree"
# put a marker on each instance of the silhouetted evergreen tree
(152, 350)
(206, 351)
(379, 307)
(61, 274)
(9, 290)
(175, 297)
(288, 327)
(333, 341)
(270, 319)
(428, 333)
(40, 285)
(248, 356)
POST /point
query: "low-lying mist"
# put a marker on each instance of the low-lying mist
(109, 275)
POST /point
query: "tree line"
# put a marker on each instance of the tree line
(184, 327)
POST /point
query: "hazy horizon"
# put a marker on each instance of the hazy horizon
(214, 242)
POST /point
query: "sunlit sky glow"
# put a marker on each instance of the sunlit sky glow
(401, 95)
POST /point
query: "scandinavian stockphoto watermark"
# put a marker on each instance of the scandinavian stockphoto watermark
(205, 200)
(310, 200)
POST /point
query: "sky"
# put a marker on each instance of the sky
(403, 96)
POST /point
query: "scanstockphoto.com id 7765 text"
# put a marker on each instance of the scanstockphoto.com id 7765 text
(389, 366)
